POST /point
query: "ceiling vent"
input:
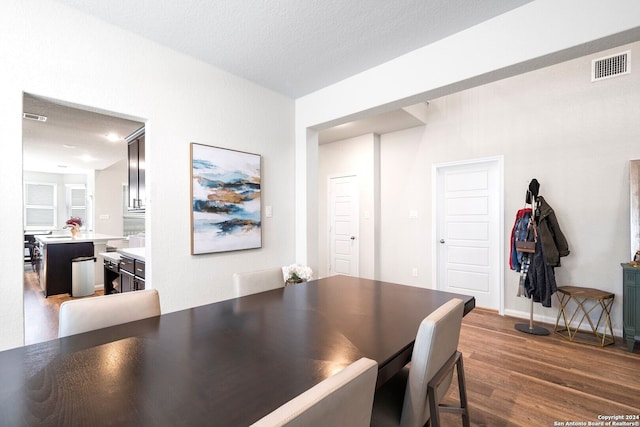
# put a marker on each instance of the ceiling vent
(610, 66)
(36, 117)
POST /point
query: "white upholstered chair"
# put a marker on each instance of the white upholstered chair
(87, 314)
(252, 282)
(412, 397)
(344, 399)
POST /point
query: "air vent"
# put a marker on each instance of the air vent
(610, 66)
(36, 117)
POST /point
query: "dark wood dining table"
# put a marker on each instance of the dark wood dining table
(228, 363)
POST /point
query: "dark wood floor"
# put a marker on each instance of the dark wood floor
(517, 379)
(40, 313)
(513, 379)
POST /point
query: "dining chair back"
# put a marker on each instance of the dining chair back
(344, 399)
(87, 314)
(252, 282)
(429, 375)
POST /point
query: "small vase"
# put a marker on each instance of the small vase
(74, 231)
(292, 281)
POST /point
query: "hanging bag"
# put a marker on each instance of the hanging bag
(528, 245)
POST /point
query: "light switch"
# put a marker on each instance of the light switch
(104, 216)
(413, 214)
(268, 211)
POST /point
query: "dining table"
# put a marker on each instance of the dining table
(227, 363)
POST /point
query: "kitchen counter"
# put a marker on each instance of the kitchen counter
(111, 256)
(96, 238)
(135, 253)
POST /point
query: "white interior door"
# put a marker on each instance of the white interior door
(468, 233)
(343, 225)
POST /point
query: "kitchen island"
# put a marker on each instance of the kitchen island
(56, 253)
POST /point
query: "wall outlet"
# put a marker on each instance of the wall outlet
(104, 216)
(414, 272)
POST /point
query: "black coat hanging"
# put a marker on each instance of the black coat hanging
(531, 198)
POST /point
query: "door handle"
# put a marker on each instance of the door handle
(353, 237)
(441, 240)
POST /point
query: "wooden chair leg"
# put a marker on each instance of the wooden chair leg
(434, 414)
(434, 406)
(462, 389)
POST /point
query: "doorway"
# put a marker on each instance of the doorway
(468, 230)
(74, 165)
(344, 245)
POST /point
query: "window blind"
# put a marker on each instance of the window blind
(39, 206)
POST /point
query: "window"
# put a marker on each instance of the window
(39, 206)
(77, 202)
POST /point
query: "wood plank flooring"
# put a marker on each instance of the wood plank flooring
(40, 313)
(517, 379)
(513, 378)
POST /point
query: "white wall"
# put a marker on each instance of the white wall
(405, 185)
(539, 33)
(576, 137)
(109, 198)
(50, 50)
(355, 156)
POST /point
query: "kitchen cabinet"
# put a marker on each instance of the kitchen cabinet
(132, 274)
(54, 265)
(136, 164)
(631, 304)
(111, 273)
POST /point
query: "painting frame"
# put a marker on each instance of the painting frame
(226, 199)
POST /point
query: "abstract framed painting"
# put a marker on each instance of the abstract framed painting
(226, 207)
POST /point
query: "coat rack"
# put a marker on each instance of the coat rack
(530, 328)
(531, 198)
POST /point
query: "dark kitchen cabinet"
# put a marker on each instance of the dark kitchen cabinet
(54, 265)
(136, 162)
(111, 276)
(126, 281)
(631, 304)
(132, 277)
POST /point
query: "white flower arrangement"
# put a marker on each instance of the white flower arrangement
(296, 273)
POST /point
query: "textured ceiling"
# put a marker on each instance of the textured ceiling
(294, 47)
